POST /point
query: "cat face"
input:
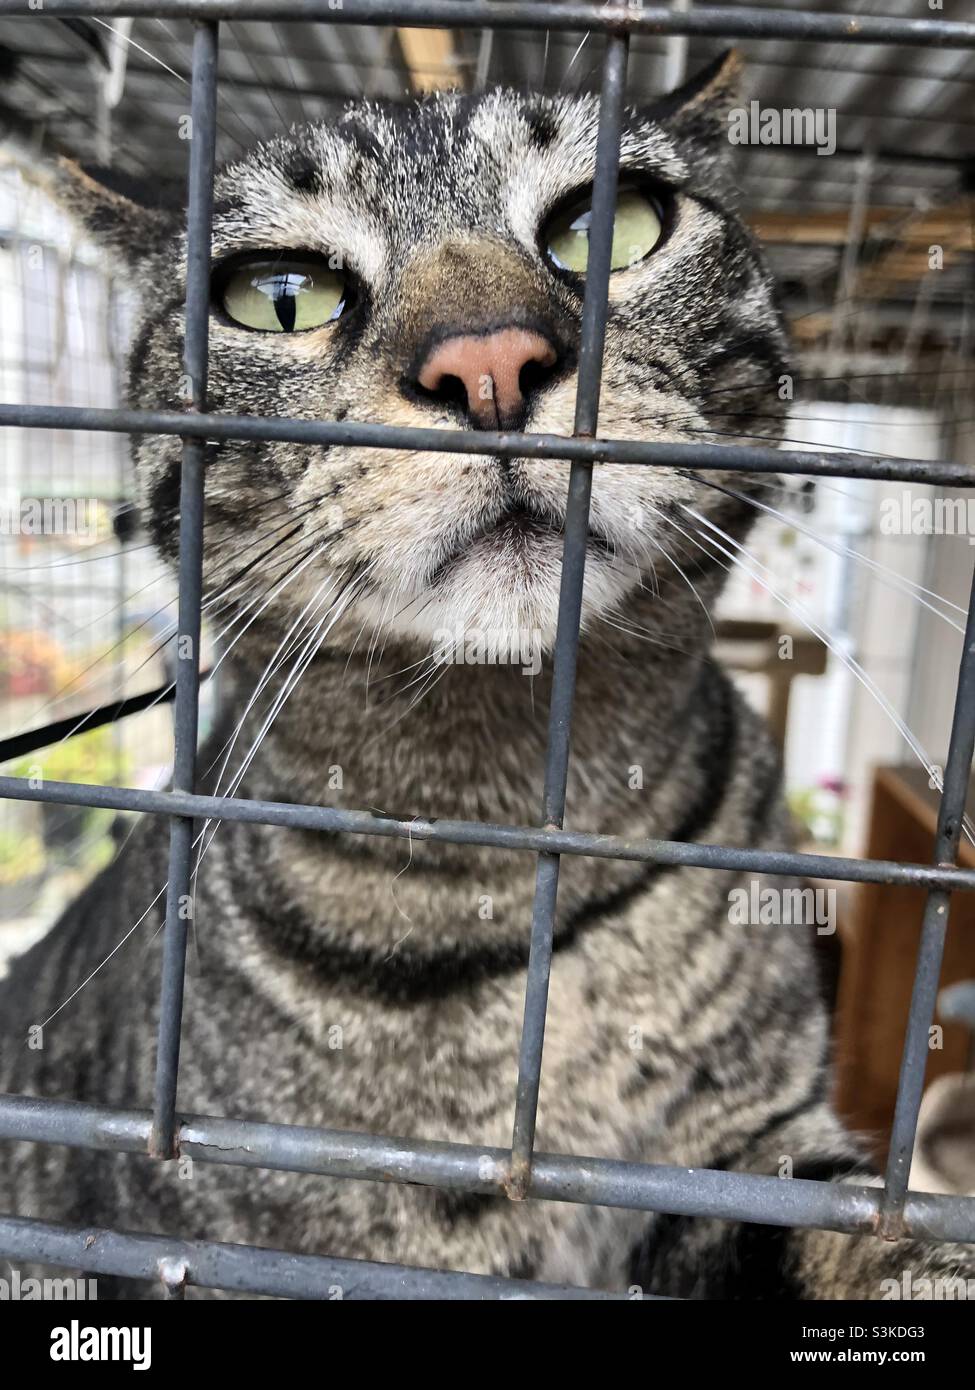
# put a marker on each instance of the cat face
(423, 265)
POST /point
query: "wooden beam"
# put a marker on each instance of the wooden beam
(937, 226)
(813, 228)
(431, 58)
(909, 258)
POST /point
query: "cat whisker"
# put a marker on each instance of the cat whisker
(437, 672)
(662, 550)
(267, 601)
(120, 38)
(380, 629)
(280, 652)
(807, 620)
(884, 573)
(291, 71)
(286, 648)
(79, 559)
(73, 686)
(270, 671)
(125, 38)
(307, 654)
(687, 424)
(633, 629)
(245, 52)
(401, 670)
(354, 644)
(212, 605)
(585, 40)
(114, 951)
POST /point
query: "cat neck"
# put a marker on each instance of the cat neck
(302, 911)
(466, 740)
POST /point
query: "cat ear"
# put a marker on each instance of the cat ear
(699, 110)
(127, 218)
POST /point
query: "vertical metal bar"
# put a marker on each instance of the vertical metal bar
(675, 54)
(592, 338)
(203, 109)
(933, 932)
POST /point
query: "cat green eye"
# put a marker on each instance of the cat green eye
(636, 230)
(284, 295)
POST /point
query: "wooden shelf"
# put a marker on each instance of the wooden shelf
(879, 939)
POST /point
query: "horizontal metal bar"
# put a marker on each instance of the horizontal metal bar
(465, 1167)
(731, 21)
(254, 1269)
(471, 832)
(737, 458)
(885, 154)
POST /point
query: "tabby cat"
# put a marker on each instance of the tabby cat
(424, 265)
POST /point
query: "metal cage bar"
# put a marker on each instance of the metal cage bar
(179, 892)
(259, 1270)
(518, 1172)
(540, 840)
(575, 544)
(727, 21)
(745, 458)
(484, 1170)
(934, 930)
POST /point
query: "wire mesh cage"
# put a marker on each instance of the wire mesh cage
(519, 1171)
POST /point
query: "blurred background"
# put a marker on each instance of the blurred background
(872, 247)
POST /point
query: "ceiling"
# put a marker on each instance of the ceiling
(909, 109)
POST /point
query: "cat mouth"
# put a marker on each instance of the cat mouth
(510, 535)
(517, 524)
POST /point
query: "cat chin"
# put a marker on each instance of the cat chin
(480, 611)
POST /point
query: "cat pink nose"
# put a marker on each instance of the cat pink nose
(489, 373)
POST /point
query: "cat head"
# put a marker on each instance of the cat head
(423, 264)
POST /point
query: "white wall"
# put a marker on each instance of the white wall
(839, 730)
(949, 573)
